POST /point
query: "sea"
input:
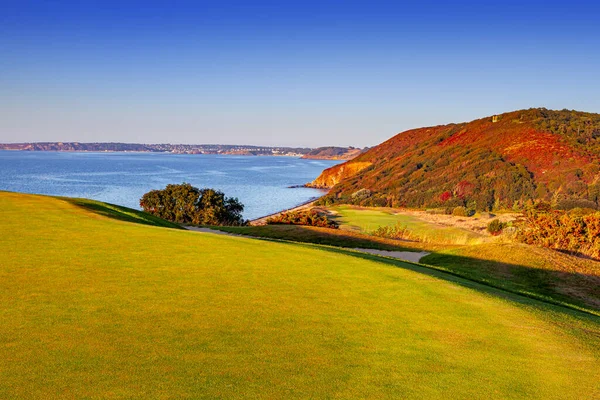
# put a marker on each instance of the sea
(264, 184)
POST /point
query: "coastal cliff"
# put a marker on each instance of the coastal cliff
(334, 175)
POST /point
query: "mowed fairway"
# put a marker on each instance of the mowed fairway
(101, 308)
(366, 220)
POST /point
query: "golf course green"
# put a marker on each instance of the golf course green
(99, 301)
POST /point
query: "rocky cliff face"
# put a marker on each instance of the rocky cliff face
(334, 175)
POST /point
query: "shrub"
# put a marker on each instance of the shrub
(460, 211)
(376, 201)
(495, 227)
(569, 204)
(445, 196)
(186, 204)
(361, 194)
(397, 232)
(580, 212)
(309, 218)
(561, 231)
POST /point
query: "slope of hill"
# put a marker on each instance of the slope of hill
(97, 307)
(333, 153)
(489, 163)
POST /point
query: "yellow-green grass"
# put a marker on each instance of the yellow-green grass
(367, 220)
(531, 271)
(94, 307)
(121, 213)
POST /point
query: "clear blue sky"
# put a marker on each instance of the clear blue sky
(285, 73)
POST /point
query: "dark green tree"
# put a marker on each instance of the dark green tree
(186, 204)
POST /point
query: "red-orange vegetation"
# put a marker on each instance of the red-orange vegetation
(523, 156)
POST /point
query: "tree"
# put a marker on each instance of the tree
(186, 204)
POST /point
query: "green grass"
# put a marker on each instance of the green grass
(98, 307)
(121, 213)
(366, 220)
(535, 272)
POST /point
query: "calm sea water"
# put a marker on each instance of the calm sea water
(260, 183)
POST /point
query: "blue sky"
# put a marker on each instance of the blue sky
(285, 73)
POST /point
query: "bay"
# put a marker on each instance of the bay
(261, 183)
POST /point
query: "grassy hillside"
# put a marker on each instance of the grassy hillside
(98, 307)
(490, 163)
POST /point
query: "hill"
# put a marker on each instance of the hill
(333, 153)
(491, 163)
(94, 306)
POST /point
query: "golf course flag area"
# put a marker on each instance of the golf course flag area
(99, 301)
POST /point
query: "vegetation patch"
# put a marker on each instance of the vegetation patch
(308, 218)
(396, 232)
(495, 227)
(570, 232)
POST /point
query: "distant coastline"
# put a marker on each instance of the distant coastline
(322, 153)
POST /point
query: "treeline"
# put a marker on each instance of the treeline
(579, 128)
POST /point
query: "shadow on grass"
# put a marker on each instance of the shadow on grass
(326, 236)
(121, 213)
(578, 291)
(535, 289)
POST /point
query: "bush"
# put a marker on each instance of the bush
(495, 227)
(397, 232)
(309, 218)
(361, 194)
(580, 212)
(186, 204)
(569, 204)
(460, 211)
(561, 231)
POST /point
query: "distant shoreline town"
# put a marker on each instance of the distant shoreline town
(333, 153)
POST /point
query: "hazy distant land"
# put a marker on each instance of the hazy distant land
(336, 153)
